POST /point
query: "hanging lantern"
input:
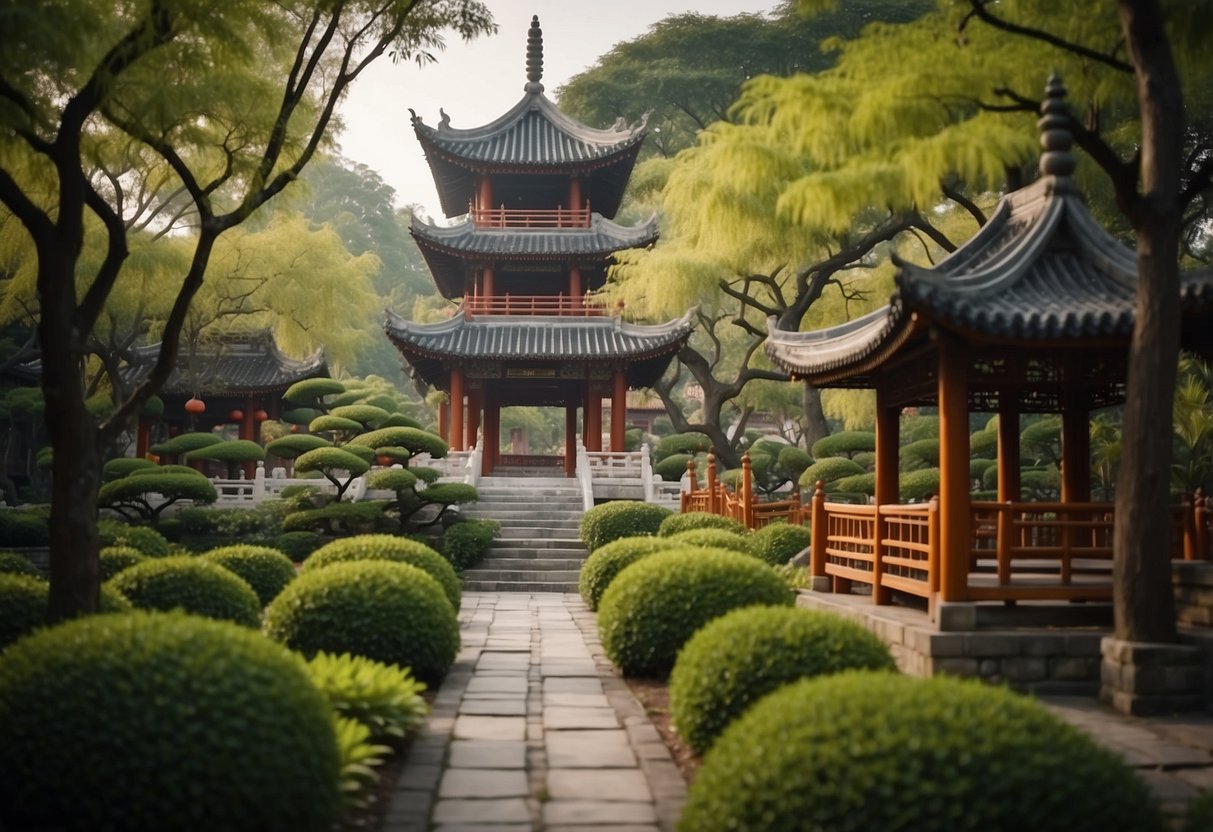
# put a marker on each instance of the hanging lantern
(195, 406)
(236, 415)
(261, 415)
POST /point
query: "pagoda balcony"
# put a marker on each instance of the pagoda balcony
(522, 218)
(582, 306)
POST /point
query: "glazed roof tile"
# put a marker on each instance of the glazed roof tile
(251, 364)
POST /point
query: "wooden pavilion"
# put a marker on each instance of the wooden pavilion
(1034, 314)
(538, 190)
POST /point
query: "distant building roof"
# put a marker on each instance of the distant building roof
(237, 365)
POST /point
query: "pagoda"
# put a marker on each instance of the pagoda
(537, 191)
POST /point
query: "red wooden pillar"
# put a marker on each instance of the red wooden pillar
(619, 411)
(570, 439)
(143, 438)
(473, 416)
(1075, 447)
(492, 434)
(574, 193)
(887, 483)
(593, 421)
(576, 290)
(456, 409)
(444, 421)
(485, 192)
(747, 492)
(487, 284)
(1008, 448)
(248, 421)
(955, 546)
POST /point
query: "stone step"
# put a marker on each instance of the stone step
(529, 564)
(531, 550)
(536, 532)
(526, 496)
(520, 586)
(549, 576)
(514, 513)
(571, 528)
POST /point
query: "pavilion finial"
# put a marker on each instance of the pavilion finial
(1055, 136)
(534, 57)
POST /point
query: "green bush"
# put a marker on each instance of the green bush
(872, 751)
(672, 467)
(23, 601)
(742, 656)
(865, 460)
(384, 698)
(1198, 817)
(978, 467)
(297, 545)
(845, 443)
(390, 612)
(294, 444)
(856, 484)
(266, 570)
(681, 443)
(650, 610)
(713, 539)
(777, 543)
(677, 523)
(828, 470)
(184, 443)
(311, 389)
(236, 523)
(414, 439)
(337, 518)
(989, 478)
(466, 543)
(326, 423)
(133, 493)
(919, 485)
(114, 559)
(147, 540)
(198, 587)
(605, 562)
(153, 721)
(620, 518)
(12, 563)
(23, 528)
(390, 547)
(125, 465)
(918, 455)
(984, 444)
(365, 413)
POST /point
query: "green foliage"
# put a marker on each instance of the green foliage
(297, 545)
(137, 492)
(22, 528)
(331, 459)
(793, 461)
(311, 390)
(607, 561)
(712, 539)
(856, 484)
(1040, 442)
(365, 454)
(266, 570)
(672, 467)
(300, 416)
(466, 543)
(1199, 814)
(359, 757)
(450, 493)
(983, 444)
(651, 608)
(124, 465)
(866, 460)
(384, 698)
(921, 454)
(12, 563)
(191, 584)
(294, 444)
(238, 523)
(232, 450)
(184, 443)
(989, 478)
(325, 423)
(812, 754)
(114, 559)
(620, 518)
(217, 727)
(146, 540)
(681, 443)
(845, 443)
(389, 547)
(363, 413)
(676, 523)
(22, 606)
(391, 479)
(828, 470)
(390, 612)
(920, 484)
(400, 420)
(417, 441)
(352, 518)
(777, 543)
(978, 468)
(742, 656)
(1040, 484)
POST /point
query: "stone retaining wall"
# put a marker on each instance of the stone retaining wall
(1193, 582)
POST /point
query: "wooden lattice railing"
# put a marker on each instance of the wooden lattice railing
(742, 505)
(531, 218)
(580, 306)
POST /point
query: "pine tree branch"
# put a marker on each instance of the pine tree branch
(980, 11)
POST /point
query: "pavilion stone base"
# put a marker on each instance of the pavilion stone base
(1151, 679)
(1193, 583)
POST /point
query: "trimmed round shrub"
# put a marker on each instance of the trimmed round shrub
(866, 459)
(652, 607)
(864, 751)
(230, 451)
(681, 443)
(331, 459)
(23, 528)
(390, 547)
(984, 444)
(918, 455)
(23, 601)
(464, 544)
(713, 538)
(829, 469)
(699, 520)
(777, 543)
(184, 443)
(294, 444)
(192, 584)
(620, 518)
(365, 413)
(12, 563)
(125, 465)
(856, 484)
(605, 562)
(845, 443)
(989, 477)
(920, 484)
(326, 423)
(978, 467)
(416, 440)
(297, 545)
(147, 721)
(147, 540)
(114, 559)
(266, 570)
(311, 389)
(390, 612)
(672, 467)
(742, 656)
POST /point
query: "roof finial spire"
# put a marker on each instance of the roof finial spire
(1055, 137)
(534, 57)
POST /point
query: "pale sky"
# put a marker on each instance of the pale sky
(476, 82)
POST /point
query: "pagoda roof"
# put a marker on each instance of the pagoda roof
(1040, 272)
(448, 249)
(646, 348)
(237, 365)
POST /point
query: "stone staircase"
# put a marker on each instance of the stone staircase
(538, 549)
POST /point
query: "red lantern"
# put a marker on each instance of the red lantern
(195, 406)
(261, 415)
(384, 460)
(294, 428)
(236, 415)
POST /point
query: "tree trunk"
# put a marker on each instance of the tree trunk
(1144, 605)
(815, 425)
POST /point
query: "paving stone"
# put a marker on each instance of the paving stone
(589, 749)
(563, 667)
(576, 700)
(487, 754)
(500, 811)
(557, 717)
(494, 707)
(497, 684)
(555, 684)
(473, 727)
(630, 827)
(484, 827)
(626, 785)
(596, 813)
(495, 660)
(482, 783)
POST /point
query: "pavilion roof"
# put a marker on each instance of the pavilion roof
(447, 250)
(237, 365)
(646, 348)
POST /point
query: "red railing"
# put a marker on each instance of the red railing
(531, 218)
(742, 505)
(561, 305)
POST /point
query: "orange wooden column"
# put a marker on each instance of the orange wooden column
(593, 421)
(574, 193)
(619, 411)
(576, 290)
(485, 192)
(955, 546)
(473, 417)
(1075, 447)
(1008, 448)
(570, 438)
(888, 446)
(457, 409)
(487, 285)
(143, 438)
(492, 434)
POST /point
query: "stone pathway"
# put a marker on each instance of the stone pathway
(533, 730)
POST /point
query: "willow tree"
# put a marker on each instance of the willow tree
(222, 106)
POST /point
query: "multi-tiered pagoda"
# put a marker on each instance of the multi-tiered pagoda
(538, 191)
